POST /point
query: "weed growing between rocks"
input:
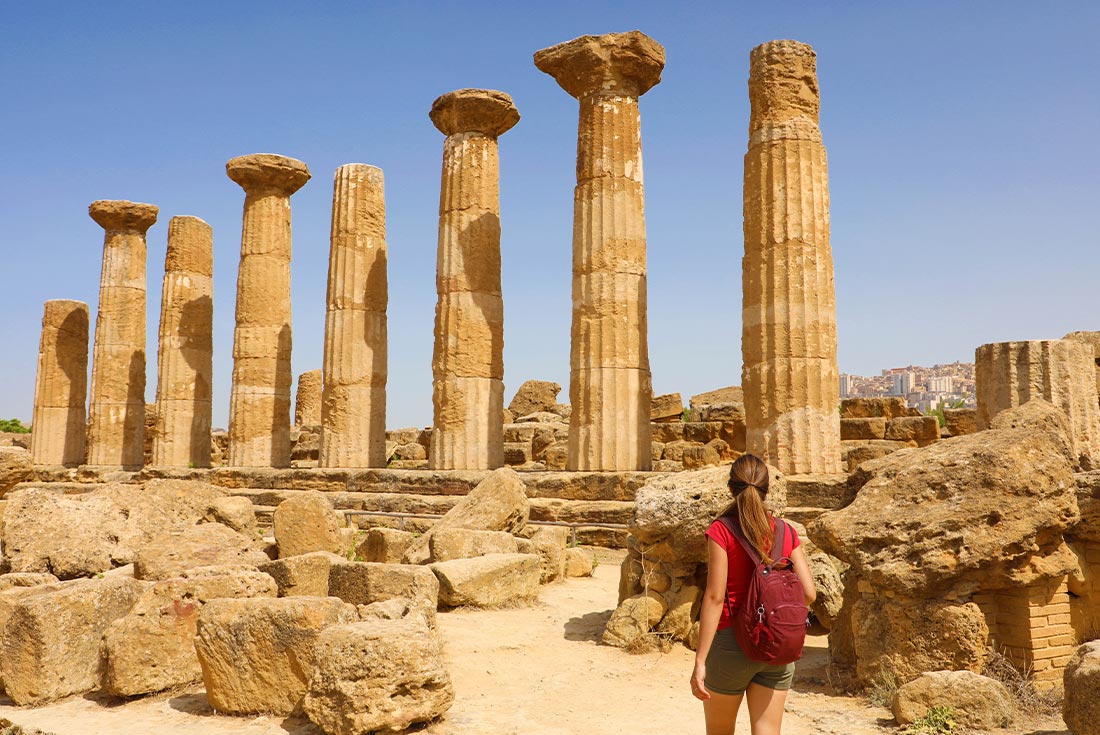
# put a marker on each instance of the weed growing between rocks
(883, 688)
(938, 720)
(1031, 702)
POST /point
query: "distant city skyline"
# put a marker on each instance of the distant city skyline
(960, 207)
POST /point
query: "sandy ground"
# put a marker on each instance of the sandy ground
(528, 671)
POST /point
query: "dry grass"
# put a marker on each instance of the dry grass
(1031, 702)
(649, 643)
(883, 688)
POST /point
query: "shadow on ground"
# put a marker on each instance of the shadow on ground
(588, 627)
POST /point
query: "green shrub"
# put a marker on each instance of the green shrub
(13, 426)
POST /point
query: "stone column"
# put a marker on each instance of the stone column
(259, 407)
(185, 352)
(609, 378)
(788, 340)
(61, 385)
(116, 413)
(468, 362)
(1059, 371)
(353, 405)
(307, 399)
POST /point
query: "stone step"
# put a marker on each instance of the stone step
(607, 486)
(819, 491)
(578, 512)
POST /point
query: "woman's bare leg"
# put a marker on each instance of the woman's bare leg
(721, 713)
(765, 709)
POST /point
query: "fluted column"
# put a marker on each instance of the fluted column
(185, 353)
(307, 399)
(468, 362)
(609, 378)
(259, 407)
(61, 385)
(353, 404)
(788, 343)
(116, 413)
(1058, 371)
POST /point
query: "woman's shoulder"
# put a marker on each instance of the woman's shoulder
(719, 529)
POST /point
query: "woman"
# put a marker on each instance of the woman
(723, 675)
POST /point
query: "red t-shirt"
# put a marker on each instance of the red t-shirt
(740, 565)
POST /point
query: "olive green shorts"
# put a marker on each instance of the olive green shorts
(729, 671)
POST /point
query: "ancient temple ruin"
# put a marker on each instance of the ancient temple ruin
(977, 554)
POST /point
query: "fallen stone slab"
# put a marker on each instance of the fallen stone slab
(257, 654)
(498, 503)
(307, 522)
(977, 701)
(377, 675)
(362, 583)
(204, 545)
(488, 581)
(1081, 707)
(305, 575)
(50, 643)
(152, 648)
(462, 543)
(386, 545)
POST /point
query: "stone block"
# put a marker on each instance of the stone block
(204, 545)
(15, 467)
(863, 428)
(305, 575)
(386, 545)
(534, 396)
(961, 421)
(550, 542)
(634, 617)
(412, 450)
(1081, 707)
(669, 407)
(257, 654)
(377, 675)
(152, 649)
(921, 430)
(977, 701)
(461, 543)
(729, 394)
(362, 583)
(14, 580)
(668, 465)
(497, 503)
(888, 407)
(556, 455)
(488, 581)
(579, 562)
(517, 453)
(698, 457)
(50, 643)
(307, 522)
(701, 432)
(667, 432)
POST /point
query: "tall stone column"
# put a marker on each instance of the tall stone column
(1058, 371)
(116, 413)
(609, 378)
(468, 362)
(185, 353)
(353, 404)
(61, 385)
(259, 406)
(307, 399)
(788, 340)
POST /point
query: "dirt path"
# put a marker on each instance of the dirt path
(527, 671)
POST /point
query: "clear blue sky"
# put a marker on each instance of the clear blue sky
(962, 140)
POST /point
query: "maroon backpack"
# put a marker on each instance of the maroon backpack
(771, 622)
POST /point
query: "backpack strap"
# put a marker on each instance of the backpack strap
(780, 539)
(735, 529)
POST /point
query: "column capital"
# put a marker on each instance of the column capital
(119, 215)
(783, 83)
(485, 111)
(617, 63)
(260, 172)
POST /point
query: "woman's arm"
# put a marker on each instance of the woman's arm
(802, 569)
(714, 598)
